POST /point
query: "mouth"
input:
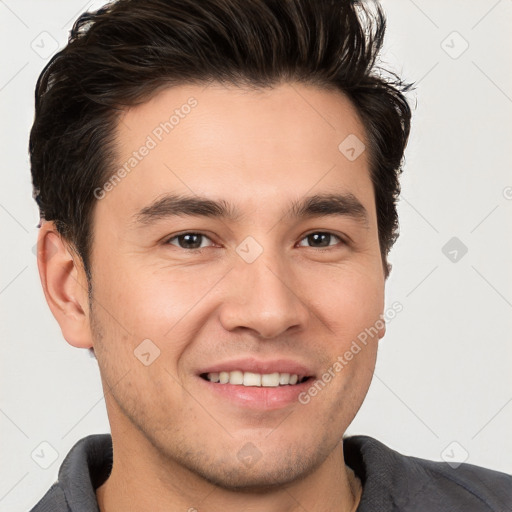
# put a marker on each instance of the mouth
(260, 385)
(251, 379)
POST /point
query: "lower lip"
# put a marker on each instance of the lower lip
(255, 397)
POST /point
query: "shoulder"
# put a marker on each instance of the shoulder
(85, 467)
(53, 501)
(392, 481)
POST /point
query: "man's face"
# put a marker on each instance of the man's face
(270, 289)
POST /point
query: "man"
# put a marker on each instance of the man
(217, 184)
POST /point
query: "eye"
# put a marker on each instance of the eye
(189, 240)
(321, 239)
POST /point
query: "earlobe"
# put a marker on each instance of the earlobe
(380, 324)
(64, 285)
(382, 331)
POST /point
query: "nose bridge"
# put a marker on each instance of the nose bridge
(263, 296)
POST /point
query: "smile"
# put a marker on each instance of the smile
(271, 380)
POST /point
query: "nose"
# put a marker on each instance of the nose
(263, 297)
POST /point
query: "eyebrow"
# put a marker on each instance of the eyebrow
(318, 205)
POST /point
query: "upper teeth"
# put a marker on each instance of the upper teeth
(253, 379)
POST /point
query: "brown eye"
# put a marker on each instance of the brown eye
(189, 240)
(322, 239)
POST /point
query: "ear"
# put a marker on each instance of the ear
(64, 285)
(381, 322)
(382, 330)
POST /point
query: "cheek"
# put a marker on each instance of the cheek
(154, 302)
(348, 301)
(354, 385)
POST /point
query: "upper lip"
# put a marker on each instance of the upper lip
(259, 366)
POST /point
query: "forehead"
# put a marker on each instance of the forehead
(253, 147)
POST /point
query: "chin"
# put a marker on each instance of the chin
(252, 481)
(269, 471)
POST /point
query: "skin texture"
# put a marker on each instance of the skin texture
(176, 444)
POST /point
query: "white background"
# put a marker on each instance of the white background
(443, 373)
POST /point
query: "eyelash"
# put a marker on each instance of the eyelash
(200, 249)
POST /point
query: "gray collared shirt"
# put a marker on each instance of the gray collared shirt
(391, 482)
